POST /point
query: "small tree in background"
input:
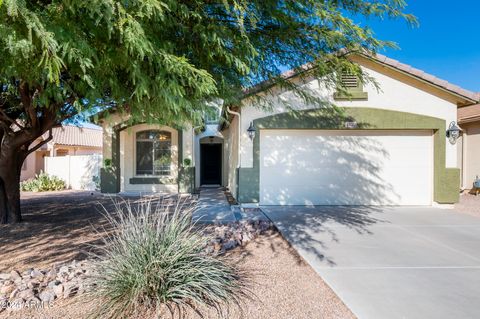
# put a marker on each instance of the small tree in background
(158, 60)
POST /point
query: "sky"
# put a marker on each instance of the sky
(446, 43)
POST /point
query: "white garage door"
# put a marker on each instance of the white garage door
(317, 167)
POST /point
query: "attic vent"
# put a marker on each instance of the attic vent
(349, 81)
(352, 88)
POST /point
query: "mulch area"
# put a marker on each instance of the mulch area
(59, 227)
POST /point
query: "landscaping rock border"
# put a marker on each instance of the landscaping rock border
(34, 287)
(239, 233)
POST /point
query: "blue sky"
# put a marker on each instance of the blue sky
(446, 44)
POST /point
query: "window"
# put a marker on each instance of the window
(211, 115)
(154, 153)
(61, 152)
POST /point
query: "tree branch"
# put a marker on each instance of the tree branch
(27, 103)
(45, 141)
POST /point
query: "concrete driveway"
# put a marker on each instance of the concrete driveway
(395, 262)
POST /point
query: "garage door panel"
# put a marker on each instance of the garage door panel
(299, 167)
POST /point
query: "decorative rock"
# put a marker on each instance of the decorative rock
(51, 274)
(47, 296)
(35, 273)
(69, 290)
(63, 270)
(229, 244)
(14, 293)
(4, 276)
(15, 275)
(58, 290)
(26, 294)
(7, 289)
(53, 283)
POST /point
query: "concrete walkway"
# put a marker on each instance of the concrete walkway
(213, 207)
(415, 262)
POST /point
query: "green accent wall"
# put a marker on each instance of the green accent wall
(446, 180)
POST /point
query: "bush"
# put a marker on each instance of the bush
(154, 261)
(42, 183)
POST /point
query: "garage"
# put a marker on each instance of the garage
(346, 167)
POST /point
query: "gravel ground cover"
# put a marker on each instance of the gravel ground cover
(469, 204)
(58, 228)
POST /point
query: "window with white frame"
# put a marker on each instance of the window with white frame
(212, 115)
(153, 153)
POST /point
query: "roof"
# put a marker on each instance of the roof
(76, 136)
(431, 79)
(469, 113)
(472, 97)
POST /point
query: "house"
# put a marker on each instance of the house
(469, 144)
(66, 140)
(382, 147)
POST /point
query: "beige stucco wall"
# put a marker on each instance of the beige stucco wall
(398, 93)
(469, 152)
(231, 154)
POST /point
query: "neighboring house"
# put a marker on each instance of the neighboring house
(388, 148)
(67, 140)
(469, 144)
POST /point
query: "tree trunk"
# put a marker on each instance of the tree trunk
(11, 161)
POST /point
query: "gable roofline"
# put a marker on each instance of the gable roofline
(472, 97)
(429, 79)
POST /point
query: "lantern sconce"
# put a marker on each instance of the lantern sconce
(453, 132)
(251, 131)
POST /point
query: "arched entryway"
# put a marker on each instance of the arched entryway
(211, 161)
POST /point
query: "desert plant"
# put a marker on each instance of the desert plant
(153, 260)
(42, 183)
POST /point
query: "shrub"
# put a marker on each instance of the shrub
(42, 183)
(154, 260)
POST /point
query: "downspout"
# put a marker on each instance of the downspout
(194, 159)
(464, 153)
(238, 148)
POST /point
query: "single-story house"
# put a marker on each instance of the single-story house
(383, 147)
(469, 145)
(66, 140)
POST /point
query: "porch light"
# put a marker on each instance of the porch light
(251, 131)
(453, 132)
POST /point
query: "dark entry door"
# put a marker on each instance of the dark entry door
(211, 164)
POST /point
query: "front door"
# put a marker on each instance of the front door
(210, 164)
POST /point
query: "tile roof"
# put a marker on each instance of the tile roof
(468, 113)
(77, 136)
(379, 58)
(475, 96)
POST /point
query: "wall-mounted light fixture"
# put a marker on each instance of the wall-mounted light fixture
(251, 131)
(453, 132)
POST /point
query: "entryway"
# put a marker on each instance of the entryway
(211, 164)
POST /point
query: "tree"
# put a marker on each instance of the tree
(158, 60)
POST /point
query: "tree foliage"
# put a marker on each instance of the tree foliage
(164, 59)
(159, 60)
